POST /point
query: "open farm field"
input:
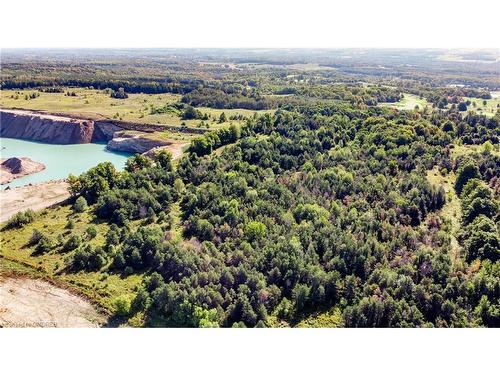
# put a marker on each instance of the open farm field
(139, 108)
(487, 107)
(95, 104)
(409, 102)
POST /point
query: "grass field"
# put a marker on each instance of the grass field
(97, 104)
(17, 257)
(327, 319)
(92, 103)
(452, 210)
(491, 107)
(458, 150)
(408, 103)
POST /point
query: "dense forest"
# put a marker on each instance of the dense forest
(306, 212)
(324, 204)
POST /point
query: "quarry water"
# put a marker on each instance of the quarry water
(59, 160)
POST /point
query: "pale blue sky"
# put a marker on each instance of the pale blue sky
(256, 23)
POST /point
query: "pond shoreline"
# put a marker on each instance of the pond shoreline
(60, 160)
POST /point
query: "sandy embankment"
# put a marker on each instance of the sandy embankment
(175, 149)
(35, 197)
(13, 168)
(37, 303)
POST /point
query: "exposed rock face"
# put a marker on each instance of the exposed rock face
(134, 142)
(61, 129)
(18, 167)
(45, 128)
(104, 131)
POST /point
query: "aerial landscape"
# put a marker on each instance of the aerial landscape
(250, 188)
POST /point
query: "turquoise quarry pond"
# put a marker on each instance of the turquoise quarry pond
(59, 160)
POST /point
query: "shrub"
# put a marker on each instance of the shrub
(80, 205)
(122, 306)
(89, 259)
(91, 231)
(36, 236)
(191, 113)
(70, 224)
(119, 261)
(465, 173)
(20, 219)
(142, 300)
(73, 242)
(44, 244)
(222, 118)
(120, 94)
(113, 236)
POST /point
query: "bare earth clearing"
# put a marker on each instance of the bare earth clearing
(35, 197)
(36, 303)
(176, 149)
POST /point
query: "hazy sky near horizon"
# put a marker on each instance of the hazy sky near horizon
(253, 23)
